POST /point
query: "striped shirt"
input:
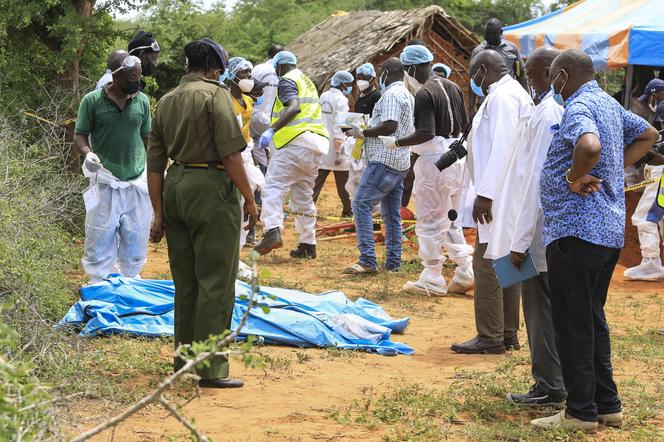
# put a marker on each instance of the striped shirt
(395, 104)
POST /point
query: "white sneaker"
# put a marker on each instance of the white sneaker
(425, 287)
(560, 420)
(611, 419)
(463, 280)
(650, 269)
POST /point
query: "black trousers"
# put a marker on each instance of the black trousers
(409, 181)
(579, 275)
(340, 178)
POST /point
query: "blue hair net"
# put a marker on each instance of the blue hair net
(236, 64)
(415, 54)
(443, 66)
(284, 57)
(367, 69)
(341, 77)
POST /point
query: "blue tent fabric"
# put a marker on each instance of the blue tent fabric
(614, 33)
(145, 308)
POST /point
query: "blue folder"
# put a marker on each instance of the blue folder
(508, 275)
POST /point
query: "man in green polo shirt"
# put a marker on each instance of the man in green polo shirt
(112, 127)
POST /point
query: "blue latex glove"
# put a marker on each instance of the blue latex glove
(266, 138)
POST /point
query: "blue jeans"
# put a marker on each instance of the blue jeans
(379, 183)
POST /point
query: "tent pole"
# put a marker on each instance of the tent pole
(628, 86)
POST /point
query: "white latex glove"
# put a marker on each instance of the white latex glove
(388, 142)
(355, 131)
(92, 162)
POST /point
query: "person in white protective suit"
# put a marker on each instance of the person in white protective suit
(300, 143)
(112, 127)
(337, 160)
(241, 84)
(650, 268)
(364, 104)
(440, 117)
(265, 75)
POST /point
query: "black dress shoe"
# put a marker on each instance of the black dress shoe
(512, 343)
(307, 251)
(478, 345)
(220, 383)
(271, 240)
(536, 397)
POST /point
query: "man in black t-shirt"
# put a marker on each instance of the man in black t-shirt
(440, 116)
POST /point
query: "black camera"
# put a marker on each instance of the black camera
(658, 147)
(456, 152)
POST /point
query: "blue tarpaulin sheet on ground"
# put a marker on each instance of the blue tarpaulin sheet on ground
(145, 308)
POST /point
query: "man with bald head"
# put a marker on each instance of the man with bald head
(582, 196)
(517, 230)
(112, 59)
(493, 39)
(496, 309)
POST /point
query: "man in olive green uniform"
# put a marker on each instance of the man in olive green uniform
(198, 204)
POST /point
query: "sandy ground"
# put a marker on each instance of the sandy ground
(293, 402)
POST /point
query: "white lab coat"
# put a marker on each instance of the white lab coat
(517, 224)
(332, 102)
(493, 129)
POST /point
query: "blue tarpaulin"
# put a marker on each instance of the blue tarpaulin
(296, 318)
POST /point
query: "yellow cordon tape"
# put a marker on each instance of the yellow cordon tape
(642, 184)
(64, 123)
(342, 219)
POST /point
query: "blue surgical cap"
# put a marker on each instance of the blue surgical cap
(367, 69)
(443, 66)
(284, 57)
(236, 64)
(341, 77)
(415, 54)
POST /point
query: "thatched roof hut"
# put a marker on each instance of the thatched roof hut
(347, 40)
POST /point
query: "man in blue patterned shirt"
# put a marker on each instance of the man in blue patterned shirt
(584, 217)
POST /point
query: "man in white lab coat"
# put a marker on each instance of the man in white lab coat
(517, 229)
(496, 309)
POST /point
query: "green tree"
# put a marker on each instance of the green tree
(50, 42)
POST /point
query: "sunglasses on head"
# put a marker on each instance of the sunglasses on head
(154, 46)
(128, 64)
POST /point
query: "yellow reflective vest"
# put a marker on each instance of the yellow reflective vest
(310, 116)
(660, 194)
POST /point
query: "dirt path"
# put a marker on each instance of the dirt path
(293, 396)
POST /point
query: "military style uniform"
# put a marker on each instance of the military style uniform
(196, 127)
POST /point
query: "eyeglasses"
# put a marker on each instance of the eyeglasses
(128, 64)
(154, 46)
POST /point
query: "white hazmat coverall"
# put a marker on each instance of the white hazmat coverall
(434, 193)
(293, 170)
(649, 232)
(256, 182)
(117, 225)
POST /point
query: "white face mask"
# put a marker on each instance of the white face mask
(246, 85)
(363, 85)
(652, 105)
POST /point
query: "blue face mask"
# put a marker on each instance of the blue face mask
(557, 97)
(347, 91)
(260, 100)
(477, 90)
(381, 81)
(223, 76)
